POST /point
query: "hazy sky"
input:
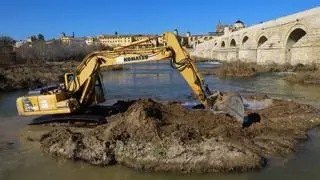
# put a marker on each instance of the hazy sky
(22, 18)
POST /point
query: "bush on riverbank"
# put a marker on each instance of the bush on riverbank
(238, 69)
(33, 75)
(40, 52)
(310, 77)
(309, 74)
(40, 63)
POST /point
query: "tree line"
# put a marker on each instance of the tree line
(39, 50)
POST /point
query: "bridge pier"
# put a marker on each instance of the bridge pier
(306, 51)
(270, 56)
(221, 54)
(233, 54)
(248, 55)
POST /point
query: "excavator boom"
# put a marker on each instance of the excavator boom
(83, 87)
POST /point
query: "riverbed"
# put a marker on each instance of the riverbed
(159, 81)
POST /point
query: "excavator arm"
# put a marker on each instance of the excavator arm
(80, 87)
(86, 72)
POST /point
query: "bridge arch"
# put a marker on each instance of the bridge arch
(262, 39)
(215, 43)
(293, 36)
(223, 44)
(244, 40)
(233, 43)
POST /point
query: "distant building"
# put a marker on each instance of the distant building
(90, 41)
(194, 40)
(71, 40)
(238, 25)
(154, 42)
(20, 43)
(114, 40)
(123, 40)
(29, 40)
(222, 29)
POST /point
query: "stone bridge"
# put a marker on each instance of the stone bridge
(292, 39)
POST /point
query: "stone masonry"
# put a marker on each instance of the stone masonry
(292, 39)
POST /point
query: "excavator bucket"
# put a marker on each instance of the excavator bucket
(231, 104)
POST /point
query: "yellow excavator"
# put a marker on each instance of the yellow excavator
(83, 87)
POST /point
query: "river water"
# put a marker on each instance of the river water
(159, 81)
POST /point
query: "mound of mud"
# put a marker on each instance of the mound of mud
(76, 146)
(154, 136)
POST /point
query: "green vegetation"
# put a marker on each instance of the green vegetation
(39, 50)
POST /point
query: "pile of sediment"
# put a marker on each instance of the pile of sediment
(155, 136)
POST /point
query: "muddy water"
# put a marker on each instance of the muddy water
(157, 80)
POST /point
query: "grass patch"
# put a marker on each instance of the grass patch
(309, 77)
(307, 74)
(238, 69)
(244, 69)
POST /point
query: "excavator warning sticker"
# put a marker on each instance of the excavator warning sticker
(44, 104)
(133, 58)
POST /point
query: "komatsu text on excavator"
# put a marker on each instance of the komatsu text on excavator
(83, 87)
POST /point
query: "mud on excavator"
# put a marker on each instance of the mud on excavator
(83, 87)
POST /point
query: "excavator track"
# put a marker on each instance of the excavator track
(69, 118)
(96, 114)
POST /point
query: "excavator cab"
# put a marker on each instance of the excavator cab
(94, 89)
(68, 78)
(98, 91)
